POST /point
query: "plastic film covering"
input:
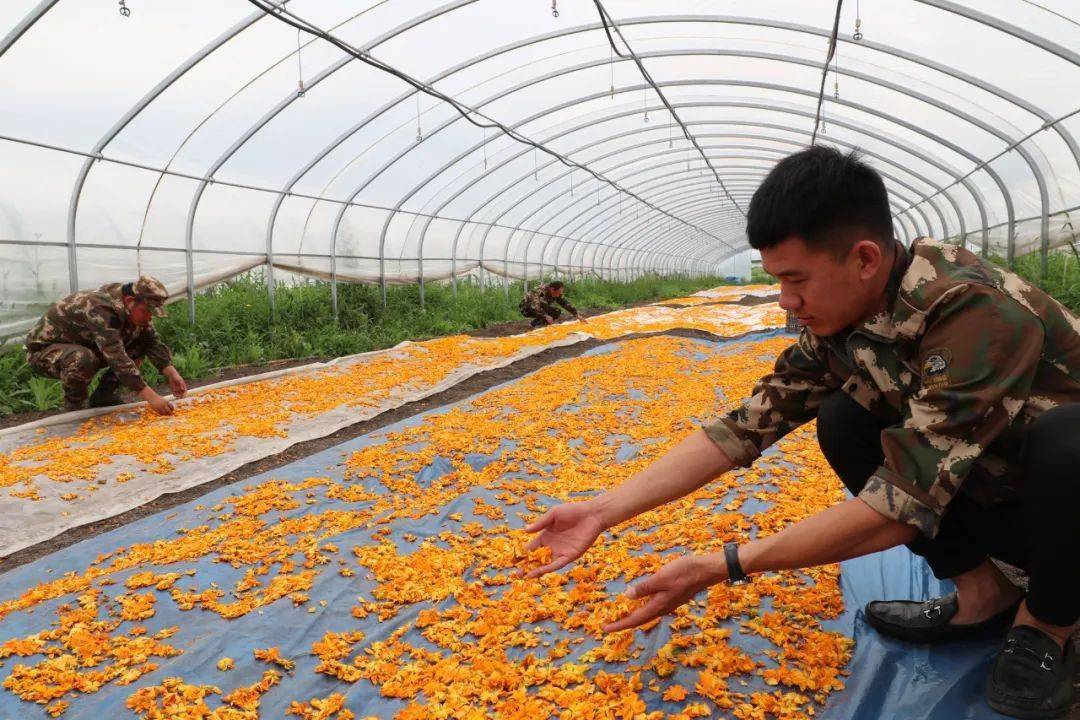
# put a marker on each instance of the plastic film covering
(175, 139)
(317, 587)
(75, 468)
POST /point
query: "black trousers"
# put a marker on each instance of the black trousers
(538, 319)
(1039, 532)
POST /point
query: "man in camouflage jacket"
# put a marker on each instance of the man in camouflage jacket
(947, 398)
(543, 303)
(111, 327)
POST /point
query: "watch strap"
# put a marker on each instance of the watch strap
(736, 576)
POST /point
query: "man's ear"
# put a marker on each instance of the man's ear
(870, 256)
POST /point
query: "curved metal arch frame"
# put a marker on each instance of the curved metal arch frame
(986, 128)
(976, 194)
(564, 233)
(975, 16)
(785, 141)
(270, 115)
(670, 19)
(899, 121)
(932, 185)
(769, 160)
(682, 191)
(604, 260)
(886, 174)
(691, 201)
(964, 116)
(687, 201)
(973, 189)
(1032, 165)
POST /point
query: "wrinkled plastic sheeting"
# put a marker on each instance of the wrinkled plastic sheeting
(892, 679)
(888, 679)
(24, 523)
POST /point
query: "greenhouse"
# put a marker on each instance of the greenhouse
(314, 498)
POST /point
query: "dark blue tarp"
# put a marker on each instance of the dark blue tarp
(888, 679)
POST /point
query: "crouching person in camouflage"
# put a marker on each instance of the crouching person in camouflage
(947, 398)
(542, 304)
(111, 327)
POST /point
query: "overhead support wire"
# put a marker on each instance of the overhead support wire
(825, 71)
(609, 25)
(466, 112)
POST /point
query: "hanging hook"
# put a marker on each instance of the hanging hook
(857, 35)
(554, 9)
(419, 132)
(124, 9)
(299, 67)
(611, 65)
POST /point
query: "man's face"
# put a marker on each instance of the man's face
(139, 311)
(827, 293)
(556, 292)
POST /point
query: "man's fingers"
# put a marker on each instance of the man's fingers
(552, 566)
(539, 524)
(642, 588)
(649, 611)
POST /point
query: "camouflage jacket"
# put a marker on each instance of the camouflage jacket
(963, 359)
(538, 303)
(98, 319)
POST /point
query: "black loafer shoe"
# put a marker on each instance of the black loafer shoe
(928, 622)
(1032, 676)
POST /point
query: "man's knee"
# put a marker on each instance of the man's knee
(848, 435)
(1052, 452)
(838, 417)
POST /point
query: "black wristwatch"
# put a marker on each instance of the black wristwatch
(736, 576)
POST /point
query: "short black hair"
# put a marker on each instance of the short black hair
(819, 194)
(556, 285)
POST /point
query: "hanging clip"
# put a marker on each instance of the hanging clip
(554, 9)
(124, 9)
(857, 35)
(300, 90)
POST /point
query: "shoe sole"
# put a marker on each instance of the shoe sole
(931, 636)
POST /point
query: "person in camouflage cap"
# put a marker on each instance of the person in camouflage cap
(947, 398)
(543, 303)
(111, 327)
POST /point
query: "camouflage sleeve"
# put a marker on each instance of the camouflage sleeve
(156, 351)
(782, 401)
(110, 343)
(531, 304)
(566, 305)
(977, 360)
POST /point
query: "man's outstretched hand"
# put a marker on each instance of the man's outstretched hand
(568, 530)
(671, 586)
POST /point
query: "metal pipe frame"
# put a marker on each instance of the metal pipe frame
(967, 13)
(386, 225)
(703, 137)
(1001, 185)
(980, 202)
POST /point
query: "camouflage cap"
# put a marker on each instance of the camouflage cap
(153, 291)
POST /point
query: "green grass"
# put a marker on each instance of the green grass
(233, 324)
